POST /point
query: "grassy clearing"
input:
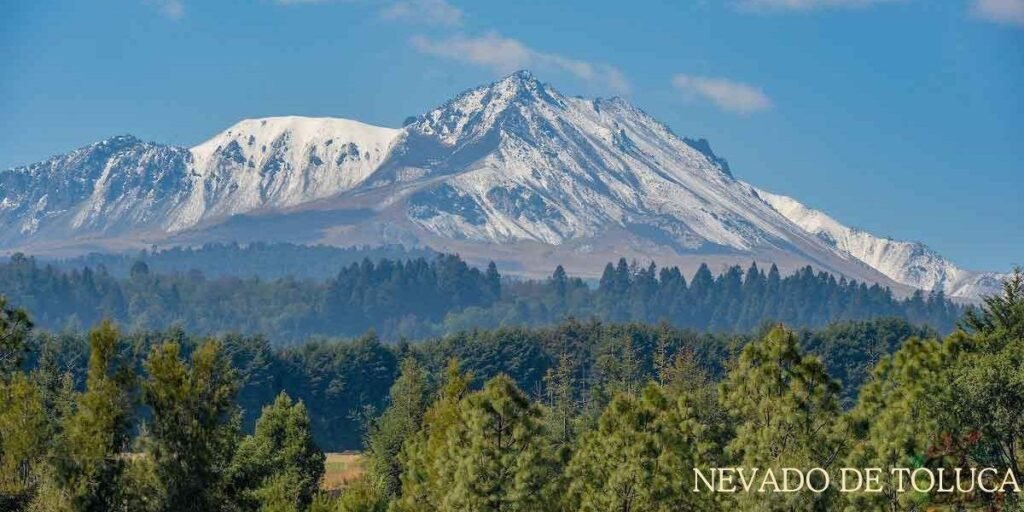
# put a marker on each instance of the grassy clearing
(341, 469)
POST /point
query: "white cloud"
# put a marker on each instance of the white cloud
(728, 95)
(1010, 12)
(428, 12)
(505, 55)
(432, 12)
(174, 9)
(806, 5)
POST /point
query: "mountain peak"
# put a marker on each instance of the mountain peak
(477, 111)
(513, 163)
(126, 138)
(521, 76)
(521, 85)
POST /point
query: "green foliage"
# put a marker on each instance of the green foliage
(142, 489)
(269, 260)
(278, 467)
(851, 350)
(366, 495)
(894, 422)
(622, 415)
(89, 462)
(641, 457)
(1000, 313)
(786, 408)
(425, 477)
(339, 380)
(14, 328)
(981, 412)
(324, 502)
(194, 428)
(23, 440)
(497, 456)
(562, 407)
(279, 493)
(400, 421)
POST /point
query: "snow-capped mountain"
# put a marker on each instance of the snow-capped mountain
(123, 184)
(512, 171)
(522, 162)
(118, 184)
(910, 263)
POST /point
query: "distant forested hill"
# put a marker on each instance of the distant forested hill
(267, 260)
(421, 297)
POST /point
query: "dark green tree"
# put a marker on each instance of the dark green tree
(24, 440)
(786, 407)
(497, 454)
(641, 457)
(14, 329)
(894, 424)
(194, 427)
(426, 477)
(279, 466)
(88, 462)
(399, 422)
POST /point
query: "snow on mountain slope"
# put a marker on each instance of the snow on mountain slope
(910, 263)
(279, 162)
(516, 160)
(123, 184)
(514, 165)
(119, 183)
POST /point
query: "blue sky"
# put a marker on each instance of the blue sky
(903, 117)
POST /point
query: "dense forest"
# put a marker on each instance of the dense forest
(423, 297)
(579, 416)
(344, 379)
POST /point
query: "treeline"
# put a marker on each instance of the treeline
(266, 260)
(389, 295)
(419, 298)
(733, 301)
(341, 382)
(934, 409)
(604, 425)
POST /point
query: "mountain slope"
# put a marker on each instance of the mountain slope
(118, 184)
(513, 171)
(910, 263)
(545, 167)
(123, 184)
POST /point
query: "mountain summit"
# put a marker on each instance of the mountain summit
(512, 171)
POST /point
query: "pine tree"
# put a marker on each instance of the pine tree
(559, 283)
(496, 455)
(786, 407)
(641, 457)
(88, 464)
(493, 279)
(194, 428)
(426, 478)
(279, 466)
(893, 424)
(1003, 312)
(24, 439)
(982, 408)
(400, 421)
(561, 408)
(14, 329)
